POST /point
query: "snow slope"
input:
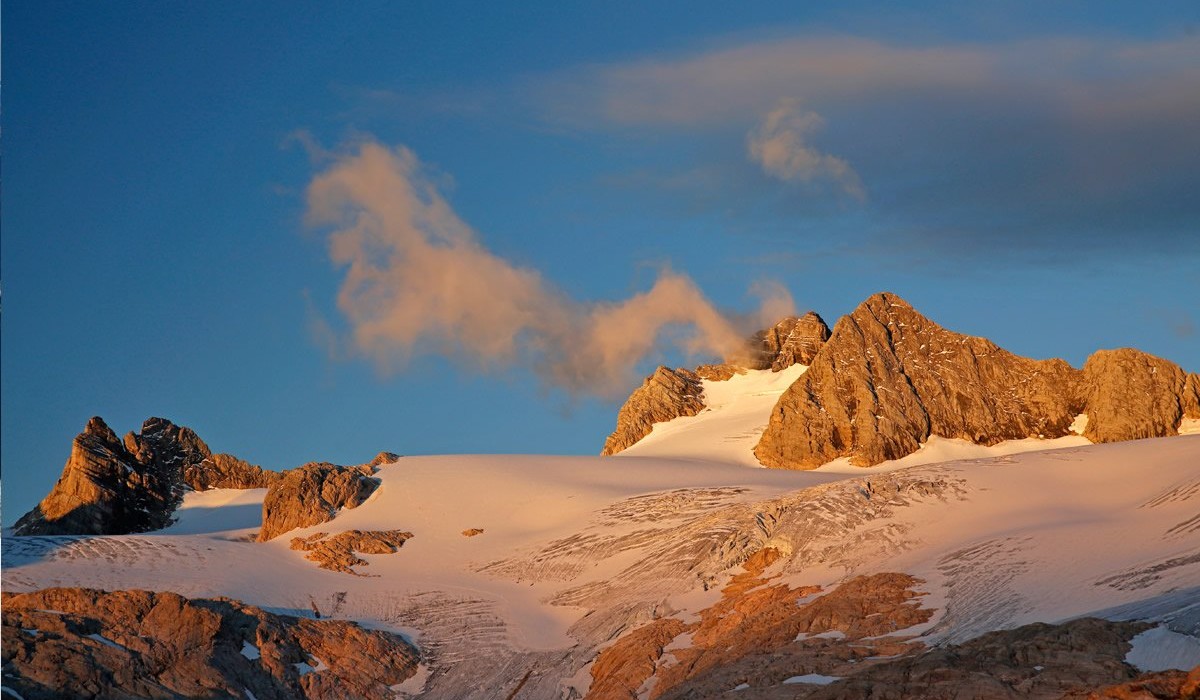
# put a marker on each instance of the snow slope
(735, 414)
(575, 549)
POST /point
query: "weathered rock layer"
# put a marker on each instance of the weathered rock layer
(74, 642)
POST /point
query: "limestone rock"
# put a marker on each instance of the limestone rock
(115, 487)
(1132, 395)
(223, 471)
(313, 494)
(792, 341)
(757, 623)
(1191, 397)
(665, 395)
(337, 553)
(73, 642)
(888, 378)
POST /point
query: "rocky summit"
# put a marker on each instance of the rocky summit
(110, 486)
(889, 378)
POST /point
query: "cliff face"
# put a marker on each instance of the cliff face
(78, 642)
(665, 395)
(112, 486)
(889, 378)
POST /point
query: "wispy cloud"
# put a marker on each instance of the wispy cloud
(1049, 147)
(780, 145)
(418, 279)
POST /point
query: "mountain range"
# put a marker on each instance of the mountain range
(938, 518)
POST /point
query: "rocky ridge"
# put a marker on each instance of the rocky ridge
(113, 486)
(889, 378)
(139, 644)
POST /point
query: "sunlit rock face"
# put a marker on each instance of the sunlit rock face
(889, 378)
(109, 486)
(665, 395)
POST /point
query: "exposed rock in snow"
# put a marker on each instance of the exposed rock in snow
(888, 379)
(666, 394)
(313, 494)
(337, 553)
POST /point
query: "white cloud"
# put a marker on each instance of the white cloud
(780, 145)
(418, 279)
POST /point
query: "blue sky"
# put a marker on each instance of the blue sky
(1024, 171)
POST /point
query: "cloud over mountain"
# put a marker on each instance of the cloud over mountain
(419, 280)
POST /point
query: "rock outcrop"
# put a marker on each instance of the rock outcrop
(313, 494)
(73, 642)
(339, 553)
(665, 395)
(113, 487)
(888, 378)
(1159, 685)
(792, 341)
(1132, 395)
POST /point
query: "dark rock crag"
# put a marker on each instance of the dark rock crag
(888, 378)
(113, 487)
(76, 642)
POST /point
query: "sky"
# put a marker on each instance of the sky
(314, 231)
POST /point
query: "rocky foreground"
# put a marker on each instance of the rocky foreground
(83, 643)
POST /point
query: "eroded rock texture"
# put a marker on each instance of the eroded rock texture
(339, 553)
(313, 494)
(83, 643)
(1132, 395)
(889, 378)
(113, 487)
(792, 341)
(665, 395)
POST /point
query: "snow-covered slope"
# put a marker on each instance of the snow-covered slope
(735, 414)
(575, 550)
